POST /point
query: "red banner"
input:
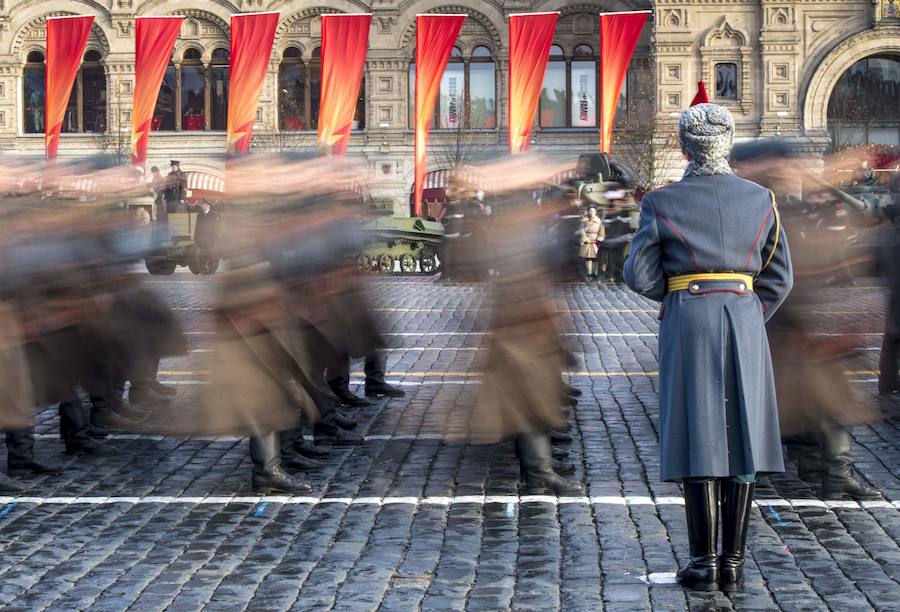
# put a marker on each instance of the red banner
(66, 40)
(154, 39)
(530, 37)
(435, 36)
(252, 36)
(345, 39)
(619, 35)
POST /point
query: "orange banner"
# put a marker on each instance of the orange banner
(345, 40)
(252, 36)
(66, 40)
(530, 37)
(435, 36)
(619, 35)
(154, 38)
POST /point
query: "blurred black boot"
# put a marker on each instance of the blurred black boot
(268, 475)
(20, 454)
(75, 430)
(307, 448)
(839, 482)
(8, 485)
(289, 457)
(737, 499)
(375, 385)
(558, 437)
(329, 433)
(536, 461)
(701, 506)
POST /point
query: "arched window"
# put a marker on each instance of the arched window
(34, 93)
(218, 95)
(482, 90)
(193, 97)
(300, 88)
(193, 91)
(292, 91)
(865, 105)
(468, 93)
(569, 95)
(92, 88)
(553, 102)
(86, 109)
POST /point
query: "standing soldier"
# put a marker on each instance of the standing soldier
(175, 193)
(711, 249)
(206, 235)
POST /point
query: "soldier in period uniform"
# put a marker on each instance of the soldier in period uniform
(711, 249)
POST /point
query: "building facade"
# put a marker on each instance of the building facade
(823, 72)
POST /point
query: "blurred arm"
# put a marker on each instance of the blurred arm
(777, 277)
(643, 269)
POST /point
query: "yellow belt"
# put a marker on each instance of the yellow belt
(684, 281)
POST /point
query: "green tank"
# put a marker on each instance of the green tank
(400, 246)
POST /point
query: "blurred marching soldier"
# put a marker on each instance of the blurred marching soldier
(176, 187)
(815, 399)
(522, 384)
(253, 390)
(711, 249)
(206, 237)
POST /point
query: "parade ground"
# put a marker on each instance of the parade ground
(415, 518)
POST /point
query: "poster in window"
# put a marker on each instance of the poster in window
(452, 92)
(584, 94)
(890, 9)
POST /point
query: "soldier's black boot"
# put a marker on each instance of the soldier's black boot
(306, 447)
(375, 384)
(536, 462)
(75, 430)
(289, 457)
(737, 499)
(701, 506)
(329, 433)
(268, 475)
(839, 482)
(20, 454)
(8, 485)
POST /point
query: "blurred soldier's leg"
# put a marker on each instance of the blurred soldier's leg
(888, 380)
(339, 381)
(536, 462)
(375, 384)
(268, 475)
(20, 454)
(839, 482)
(74, 428)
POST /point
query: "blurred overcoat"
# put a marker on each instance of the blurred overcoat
(521, 386)
(16, 397)
(718, 408)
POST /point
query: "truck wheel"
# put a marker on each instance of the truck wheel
(408, 263)
(193, 260)
(386, 264)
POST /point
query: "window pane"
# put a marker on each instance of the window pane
(482, 95)
(584, 94)
(553, 96)
(584, 50)
(884, 135)
(33, 89)
(556, 51)
(35, 57)
(449, 110)
(218, 99)
(291, 101)
(315, 92)
(726, 81)
(70, 119)
(481, 51)
(193, 112)
(164, 115)
(94, 97)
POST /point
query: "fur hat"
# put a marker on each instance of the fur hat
(706, 134)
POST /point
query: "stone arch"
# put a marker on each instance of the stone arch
(289, 25)
(490, 26)
(202, 15)
(824, 77)
(565, 6)
(24, 39)
(218, 12)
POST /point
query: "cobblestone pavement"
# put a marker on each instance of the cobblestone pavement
(414, 520)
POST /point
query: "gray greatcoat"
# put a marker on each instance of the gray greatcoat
(718, 411)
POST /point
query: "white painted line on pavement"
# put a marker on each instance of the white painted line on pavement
(433, 501)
